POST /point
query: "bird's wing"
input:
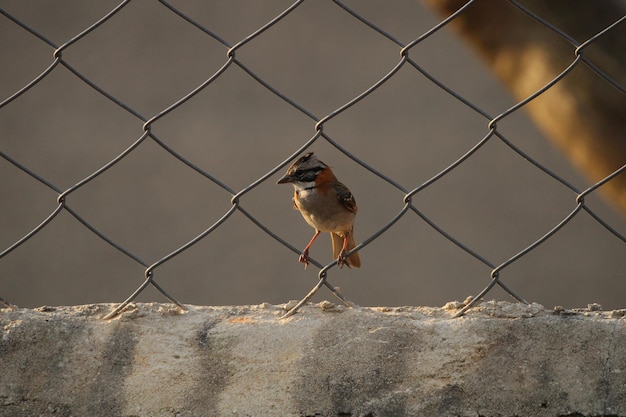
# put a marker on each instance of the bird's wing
(345, 197)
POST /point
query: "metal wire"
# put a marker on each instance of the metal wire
(406, 205)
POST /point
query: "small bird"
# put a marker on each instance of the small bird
(326, 204)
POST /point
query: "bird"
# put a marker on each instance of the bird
(326, 205)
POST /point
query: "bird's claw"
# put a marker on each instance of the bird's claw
(341, 259)
(304, 258)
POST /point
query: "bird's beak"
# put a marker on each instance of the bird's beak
(284, 180)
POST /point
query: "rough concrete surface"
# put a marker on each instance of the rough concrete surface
(500, 359)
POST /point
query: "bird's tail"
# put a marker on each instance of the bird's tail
(352, 260)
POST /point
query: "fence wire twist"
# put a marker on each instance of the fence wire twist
(63, 199)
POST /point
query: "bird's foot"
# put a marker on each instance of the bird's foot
(304, 258)
(342, 259)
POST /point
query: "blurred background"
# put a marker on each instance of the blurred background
(320, 57)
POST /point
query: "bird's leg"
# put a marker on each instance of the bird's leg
(341, 259)
(304, 256)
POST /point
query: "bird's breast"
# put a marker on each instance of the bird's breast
(323, 212)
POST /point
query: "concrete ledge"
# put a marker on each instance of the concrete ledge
(500, 359)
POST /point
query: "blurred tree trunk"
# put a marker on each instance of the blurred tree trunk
(583, 114)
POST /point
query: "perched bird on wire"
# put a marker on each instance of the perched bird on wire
(326, 204)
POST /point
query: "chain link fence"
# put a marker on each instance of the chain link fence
(128, 124)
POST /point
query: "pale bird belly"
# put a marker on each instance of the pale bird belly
(323, 216)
